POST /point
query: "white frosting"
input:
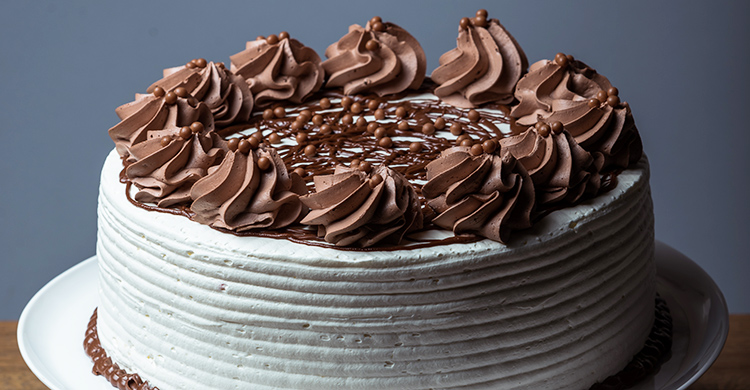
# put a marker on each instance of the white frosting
(564, 305)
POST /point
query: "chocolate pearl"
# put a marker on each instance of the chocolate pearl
(482, 12)
(279, 112)
(268, 114)
(193, 102)
(274, 138)
(416, 147)
(170, 98)
(612, 91)
(364, 166)
(461, 138)
(200, 62)
(190, 65)
(244, 146)
(379, 114)
(260, 38)
(373, 104)
(306, 113)
(185, 133)
(258, 136)
(456, 128)
(355, 163)
(378, 26)
(283, 35)
(561, 60)
(403, 125)
(372, 126)
(476, 150)
(272, 39)
(181, 92)
(317, 119)
(440, 123)
(254, 141)
(375, 180)
(311, 150)
(538, 124)
(165, 140)
(473, 116)
(264, 163)
(346, 102)
(467, 142)
(480, 21)
(557, 127)
(347, 119)
(613, 100)
(299, 171)
(197, 127)
(372, 45)
(301, 138)
(601, 96)
(356, 108)
(385, 142)
(428, 129)
(361, 122)
(570, 57)
(325, 103)
(544, 130)
(297, 126)
(325, 129)
(380, 132)
(376, 19)
(159, 92)
(401, 112)
(464, 23)
(489, 146)
(594, 103)
(233, 143)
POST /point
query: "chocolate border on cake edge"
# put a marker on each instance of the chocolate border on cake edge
(656, 350)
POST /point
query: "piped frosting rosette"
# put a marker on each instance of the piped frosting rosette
(226, 94)
(354, 208)
(562, 171)
(171, 159)
(568, 91)
(484, 67)
(279, 68)
(381, 58)
(250, 189)
(480, 193)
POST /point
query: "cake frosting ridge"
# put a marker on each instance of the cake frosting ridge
(293, 223)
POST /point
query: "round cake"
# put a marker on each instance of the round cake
(293, 223)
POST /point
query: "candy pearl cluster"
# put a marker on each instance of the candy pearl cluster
(479, 20)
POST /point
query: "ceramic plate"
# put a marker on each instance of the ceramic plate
(52, 326)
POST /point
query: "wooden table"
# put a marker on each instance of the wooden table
(730, 372)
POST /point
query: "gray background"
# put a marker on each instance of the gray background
(683, 67)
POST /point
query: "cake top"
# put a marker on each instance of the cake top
(362, 150)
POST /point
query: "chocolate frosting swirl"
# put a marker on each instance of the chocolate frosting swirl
(569, 91)
(239, 195)
(352, 208)
(484, 67)
(562, 171)
(381, 58)
(484, 194)
(226, 94)
(167, 163)
(279, 70)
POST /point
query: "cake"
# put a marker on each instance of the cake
(290, 222)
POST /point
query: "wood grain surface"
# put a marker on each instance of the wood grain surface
(730, 372)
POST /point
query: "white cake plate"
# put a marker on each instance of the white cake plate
(52, 326)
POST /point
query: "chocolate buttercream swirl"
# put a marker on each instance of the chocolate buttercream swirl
(562, 171)
(279, 70)
(484, 67)
(381, 58)
(353, 208)
(485, 194)
(250, 190)
(226, 94)
(569, 91)
(166, 164)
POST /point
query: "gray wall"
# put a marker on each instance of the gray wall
(64, 68)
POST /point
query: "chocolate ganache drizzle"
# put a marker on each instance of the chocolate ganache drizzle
(279, 68)
(484, 67)
(381, 58)
(278, 156)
